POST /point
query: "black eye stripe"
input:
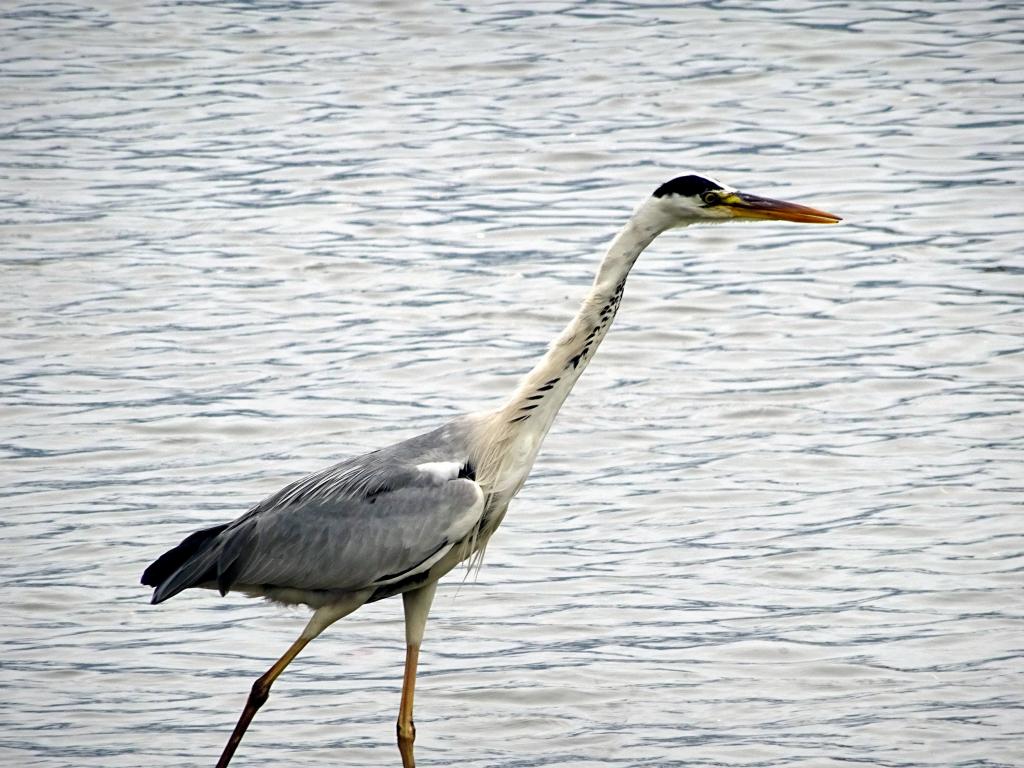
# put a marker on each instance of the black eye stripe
(687, 186)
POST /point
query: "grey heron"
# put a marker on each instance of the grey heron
(395, 520)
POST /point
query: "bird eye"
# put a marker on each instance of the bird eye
(711, 198)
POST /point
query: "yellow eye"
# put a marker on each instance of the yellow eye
(711, 198)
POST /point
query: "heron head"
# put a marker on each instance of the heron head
(695, 199)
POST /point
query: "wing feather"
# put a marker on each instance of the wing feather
(367, 522)
(348, 544)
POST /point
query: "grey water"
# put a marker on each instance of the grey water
(778, 523)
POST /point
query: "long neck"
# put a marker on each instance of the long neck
(535, 403)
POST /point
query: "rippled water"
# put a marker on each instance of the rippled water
(777, 524)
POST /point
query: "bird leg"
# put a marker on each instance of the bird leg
(257, 696)
(321, 619)
(406, 728)
(417, 606)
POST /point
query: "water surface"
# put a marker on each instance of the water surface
(777, 524)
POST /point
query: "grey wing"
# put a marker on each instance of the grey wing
(348, 535)
(366, 522)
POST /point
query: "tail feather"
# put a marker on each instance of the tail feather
(192, 562)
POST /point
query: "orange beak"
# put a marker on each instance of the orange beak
(744, 206)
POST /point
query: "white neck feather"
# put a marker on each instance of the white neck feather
(519, 427)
